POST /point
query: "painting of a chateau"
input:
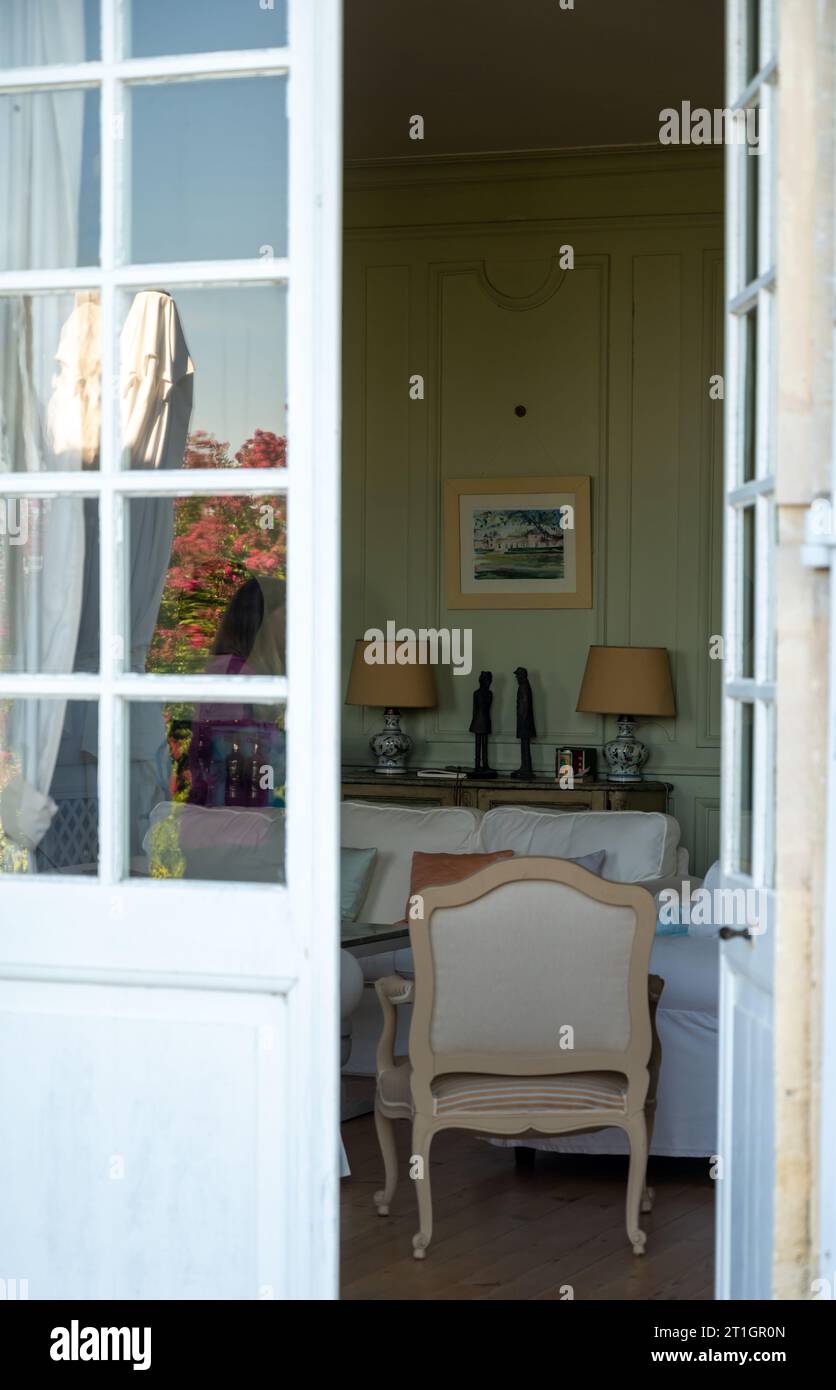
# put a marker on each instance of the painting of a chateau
(518, 543)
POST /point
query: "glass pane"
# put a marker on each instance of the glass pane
(49, 586)
(769, 798)
(213, 391)
(745, 764)
(747, 593)
(750, 395)
(752, 166)
(768, 568)
(208, 585)
(223, 190)
(203, 26)
(49, 179)
(50, 382)
(35, 32)
(49, 809)
(207, 791)
(753, 32)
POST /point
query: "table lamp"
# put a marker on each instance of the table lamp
(393, 687)
(637, 679)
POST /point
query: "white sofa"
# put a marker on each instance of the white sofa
(642, 847)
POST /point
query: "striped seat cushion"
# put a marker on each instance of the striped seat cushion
(575, 1092)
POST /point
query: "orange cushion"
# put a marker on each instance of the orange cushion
(436, 870)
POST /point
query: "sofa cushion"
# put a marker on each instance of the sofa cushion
(397, 832)
(355, 873)
(639, 844)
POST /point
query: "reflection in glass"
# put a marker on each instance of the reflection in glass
(753, 31)
(42, 583)
(237, 342)
(221, 604)
(49, 179)
(35, 32)
(204, 26)
(745, 768)
(224, 351)
(221, 815)
(209, 170)
(156, 383)
(45, 826)
(50, 382)
(752, 168)
(747, 593)
(750, 395)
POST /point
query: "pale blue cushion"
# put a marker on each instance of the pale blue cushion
(355, 871)
(678, 927)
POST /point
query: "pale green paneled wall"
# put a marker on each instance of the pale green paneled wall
(452, 271)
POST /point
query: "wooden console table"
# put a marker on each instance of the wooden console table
(407, 789)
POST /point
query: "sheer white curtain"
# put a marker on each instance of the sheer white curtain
(156, 384)
(41, 142)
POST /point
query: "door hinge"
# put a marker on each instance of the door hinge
(819, 535)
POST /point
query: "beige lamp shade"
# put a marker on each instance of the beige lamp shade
(388, 685)
(627, 680)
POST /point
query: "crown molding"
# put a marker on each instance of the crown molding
(422, 170)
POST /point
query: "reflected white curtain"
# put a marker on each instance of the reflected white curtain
(156, 377)
(41, 140)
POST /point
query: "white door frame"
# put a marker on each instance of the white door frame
(744, 1202)
(273, 945)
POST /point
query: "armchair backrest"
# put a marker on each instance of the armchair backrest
(532, 966)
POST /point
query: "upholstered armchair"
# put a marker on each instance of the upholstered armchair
(532, 1013)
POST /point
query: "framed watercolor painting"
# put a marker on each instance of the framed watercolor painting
(518, 543)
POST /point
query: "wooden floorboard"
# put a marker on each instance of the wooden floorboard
(502, 1234)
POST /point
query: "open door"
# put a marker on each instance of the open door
(169, 1069)
(745, 1150)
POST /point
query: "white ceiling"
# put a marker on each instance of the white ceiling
(523, 74)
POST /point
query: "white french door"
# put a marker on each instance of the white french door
(169, 1067)
(745, 1147)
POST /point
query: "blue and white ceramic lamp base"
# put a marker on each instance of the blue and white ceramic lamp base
(625, 755)
(391, 746)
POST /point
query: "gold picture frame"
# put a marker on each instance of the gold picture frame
(518, 542)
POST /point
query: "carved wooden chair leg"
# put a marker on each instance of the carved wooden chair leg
(386, 1138)
(421, 1140)
(635, 1183)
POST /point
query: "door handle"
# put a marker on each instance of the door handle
(726, 933)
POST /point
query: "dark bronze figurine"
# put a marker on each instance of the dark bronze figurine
(480, 725)
(525, 725)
